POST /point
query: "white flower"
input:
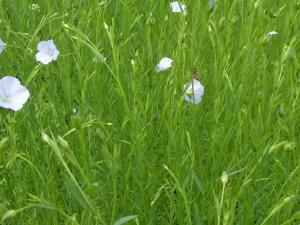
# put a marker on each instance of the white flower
(2, 46)
(193, 91)
(272, 33)
(164, 64)
(47, 52)
(12, 94)
(177, 7)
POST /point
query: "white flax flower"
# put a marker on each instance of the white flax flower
(47, 52)
(193, 91)
(2, 46)
(12, 94)
(178, 7)
(164, 64)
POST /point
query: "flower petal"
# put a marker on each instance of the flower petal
(272, 33)
(55, 54)
(2, 46)
(164, 64)
(12, 106)
(43, 46)
(43, 58)
(12, 94)
(193, 99)
(177, 7)
(212, 4)
(21, 96)
(9, 85)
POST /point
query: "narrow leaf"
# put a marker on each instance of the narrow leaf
(125, 219)
(9, 214)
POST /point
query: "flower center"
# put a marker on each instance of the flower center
(189, 92)
(51, 53)
(5, 99)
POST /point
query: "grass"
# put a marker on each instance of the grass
(104, 137)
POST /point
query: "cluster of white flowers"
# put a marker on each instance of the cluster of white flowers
(12, 94)
(193, 89)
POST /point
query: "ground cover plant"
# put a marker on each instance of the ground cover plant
(149, 112)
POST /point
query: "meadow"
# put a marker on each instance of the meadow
(107, 139)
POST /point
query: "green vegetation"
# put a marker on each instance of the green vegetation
(104, 139)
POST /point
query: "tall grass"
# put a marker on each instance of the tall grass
(106, 140)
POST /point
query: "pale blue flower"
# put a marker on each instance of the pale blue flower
(272, 33)
(177, 7)
(212, 4)
(2, 46)
(47, 52)
(164, 64)
(12, 94)
(194, 91)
